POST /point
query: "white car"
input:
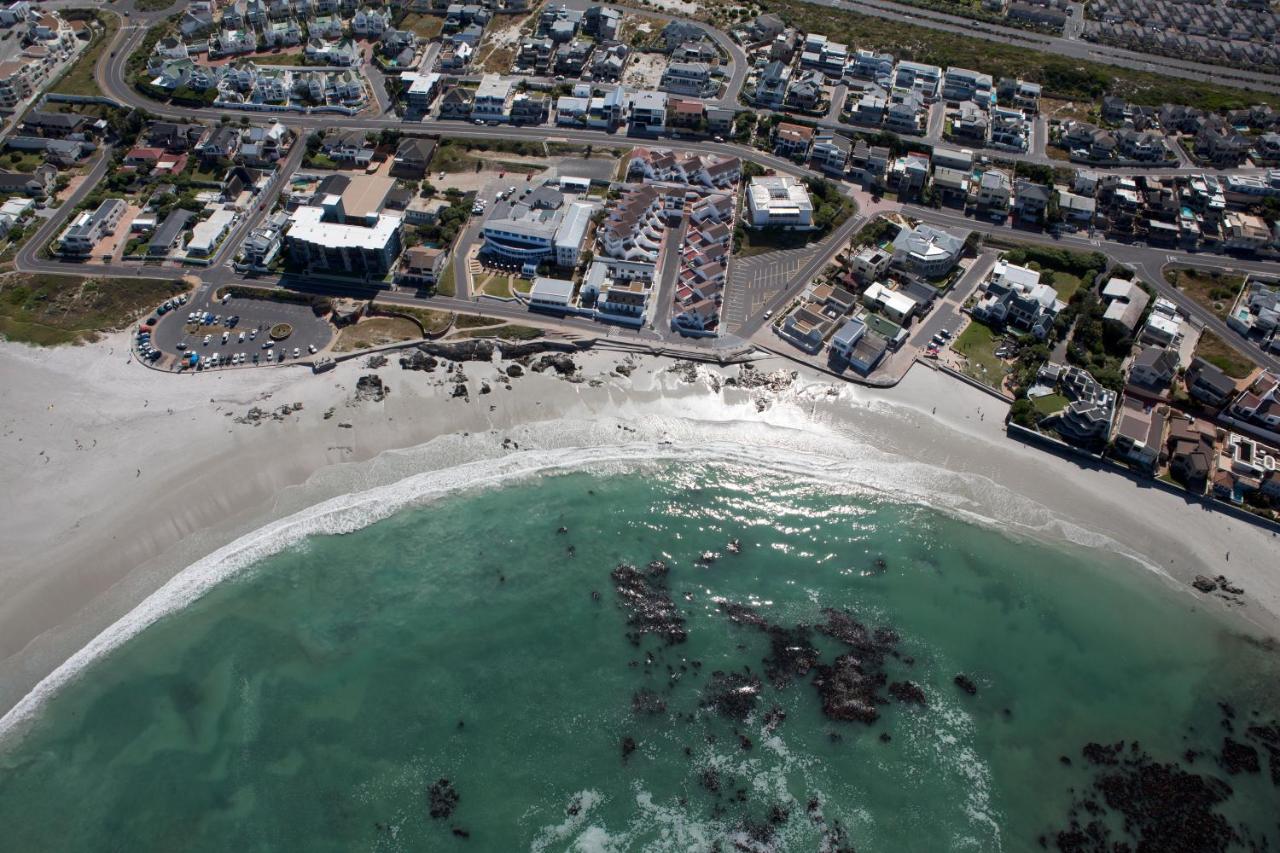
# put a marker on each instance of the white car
(253, 334)
(271, 354)
(224, 337)
(207, 338)
(296, 352)
(241, 337)
(213, 359)
(311, 348)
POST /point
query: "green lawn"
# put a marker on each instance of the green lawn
(1214, 350)
(497, 285)
(1066, 284)
(58, 309)
(1049, 403)
(21, 161)
(152, 5)
(1214, 290)
(296, 57)
(978, 343)
(79, 78)
(319, 161)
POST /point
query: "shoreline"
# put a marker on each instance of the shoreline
(121, 478)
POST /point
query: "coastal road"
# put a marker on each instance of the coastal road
(28, 257)
(264, 205)
(1149, 261)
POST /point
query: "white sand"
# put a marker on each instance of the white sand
(117, 476)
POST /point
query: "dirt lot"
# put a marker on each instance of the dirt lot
(645, 70)
(501, 42)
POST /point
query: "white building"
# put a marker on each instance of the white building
(550, 294)
(927, 251)
(779, 201)
(206, 234)
(316, 243)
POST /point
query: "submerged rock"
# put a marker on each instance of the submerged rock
(732, 695)
(1236, 757)
(645, 701)
(645, 597)
(908, 693)
(849, 690)
(791, 655)
(966, 684)
(442, 798)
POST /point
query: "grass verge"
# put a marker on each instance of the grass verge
(78, 80)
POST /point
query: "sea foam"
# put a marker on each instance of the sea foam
(817, 453)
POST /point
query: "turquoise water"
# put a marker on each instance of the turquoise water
(312, 702)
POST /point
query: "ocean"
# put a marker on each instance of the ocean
(715, 652)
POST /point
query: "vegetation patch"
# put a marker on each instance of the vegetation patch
(59, 309)
(472, 321)
(432, 322)
(1215, 350)
(507, 333)
(425, 26)
(978, 344)
(1062, 77)
(376, 331)
(1213, 289)
(79, 80)
(280, 331)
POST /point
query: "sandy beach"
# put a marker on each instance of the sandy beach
(118, 477)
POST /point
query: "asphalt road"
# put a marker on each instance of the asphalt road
(1147, 262)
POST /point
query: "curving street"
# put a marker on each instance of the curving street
(1147, 262)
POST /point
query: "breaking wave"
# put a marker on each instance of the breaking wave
(817, 453)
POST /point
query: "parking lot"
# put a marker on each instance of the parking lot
(237, 332)
(755, 281)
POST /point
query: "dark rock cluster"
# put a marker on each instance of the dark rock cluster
(442, 798)
(643, 593)
(731, 694)
(370, 388)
